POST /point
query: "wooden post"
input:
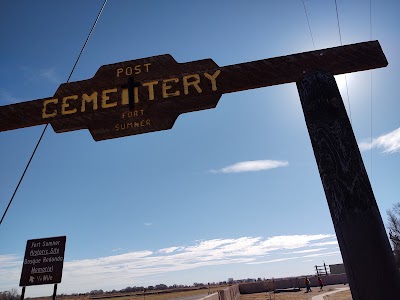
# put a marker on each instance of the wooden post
(365, 248)
(23, 293)
(55, 291)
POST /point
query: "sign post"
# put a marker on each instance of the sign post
(23, 293)
(365, 248)
(55, 291)
(43, 262)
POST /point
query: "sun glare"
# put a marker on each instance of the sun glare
(341, 82)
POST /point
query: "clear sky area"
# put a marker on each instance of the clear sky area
(230, 192)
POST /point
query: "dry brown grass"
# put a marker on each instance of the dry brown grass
(149, 296)
(345, 295)
(301, 295)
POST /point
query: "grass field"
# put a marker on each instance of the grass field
(162, 296)
(345, 295)
(136, 296)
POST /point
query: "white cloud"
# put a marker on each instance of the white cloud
(10, 271)
(169, 250)
(307, 251)
(389, 143)
(323, 254)
(148, 224)
(326, 243)
(10, 260)
(252, 166)
(272, 260)
(293, 241)
(117, 250)
(119, 271)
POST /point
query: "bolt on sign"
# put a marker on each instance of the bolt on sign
(43, 261)
(149, 94)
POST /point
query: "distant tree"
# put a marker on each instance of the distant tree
(161, 287)
(394, 230)
(394, 225)
(9, 295)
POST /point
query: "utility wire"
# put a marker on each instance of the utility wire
(338, 24)
(44, 130)
(345, 76)
(308, 22)
(348, 98)
(87, 39)
(370, 72)
(23, 174)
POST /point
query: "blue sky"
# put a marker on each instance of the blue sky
(228, 192)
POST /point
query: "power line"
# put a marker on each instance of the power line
(87, 39)
(370, 72)
(308, 22)
(345, 76)
(23, 174)
(44, 130)
(338, 24)
(348, 98)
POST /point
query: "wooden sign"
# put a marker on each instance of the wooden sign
(149, 94)
(43, 261)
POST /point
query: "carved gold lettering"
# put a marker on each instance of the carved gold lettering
(166, 87)
(133, 124)
(125, 96)
(195, 83)
(138, 69)
(135, 94)
(128, 71)
(46, 115)
(150, 85)
(213, 78)
(87, 99)
(65, 105)
(147, 67)
(132, 114)
(105, 98)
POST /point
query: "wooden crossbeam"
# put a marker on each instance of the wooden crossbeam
(164, 89)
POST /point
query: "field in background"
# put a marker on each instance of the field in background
(345, 295)
(167, 294)
(159, 295)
